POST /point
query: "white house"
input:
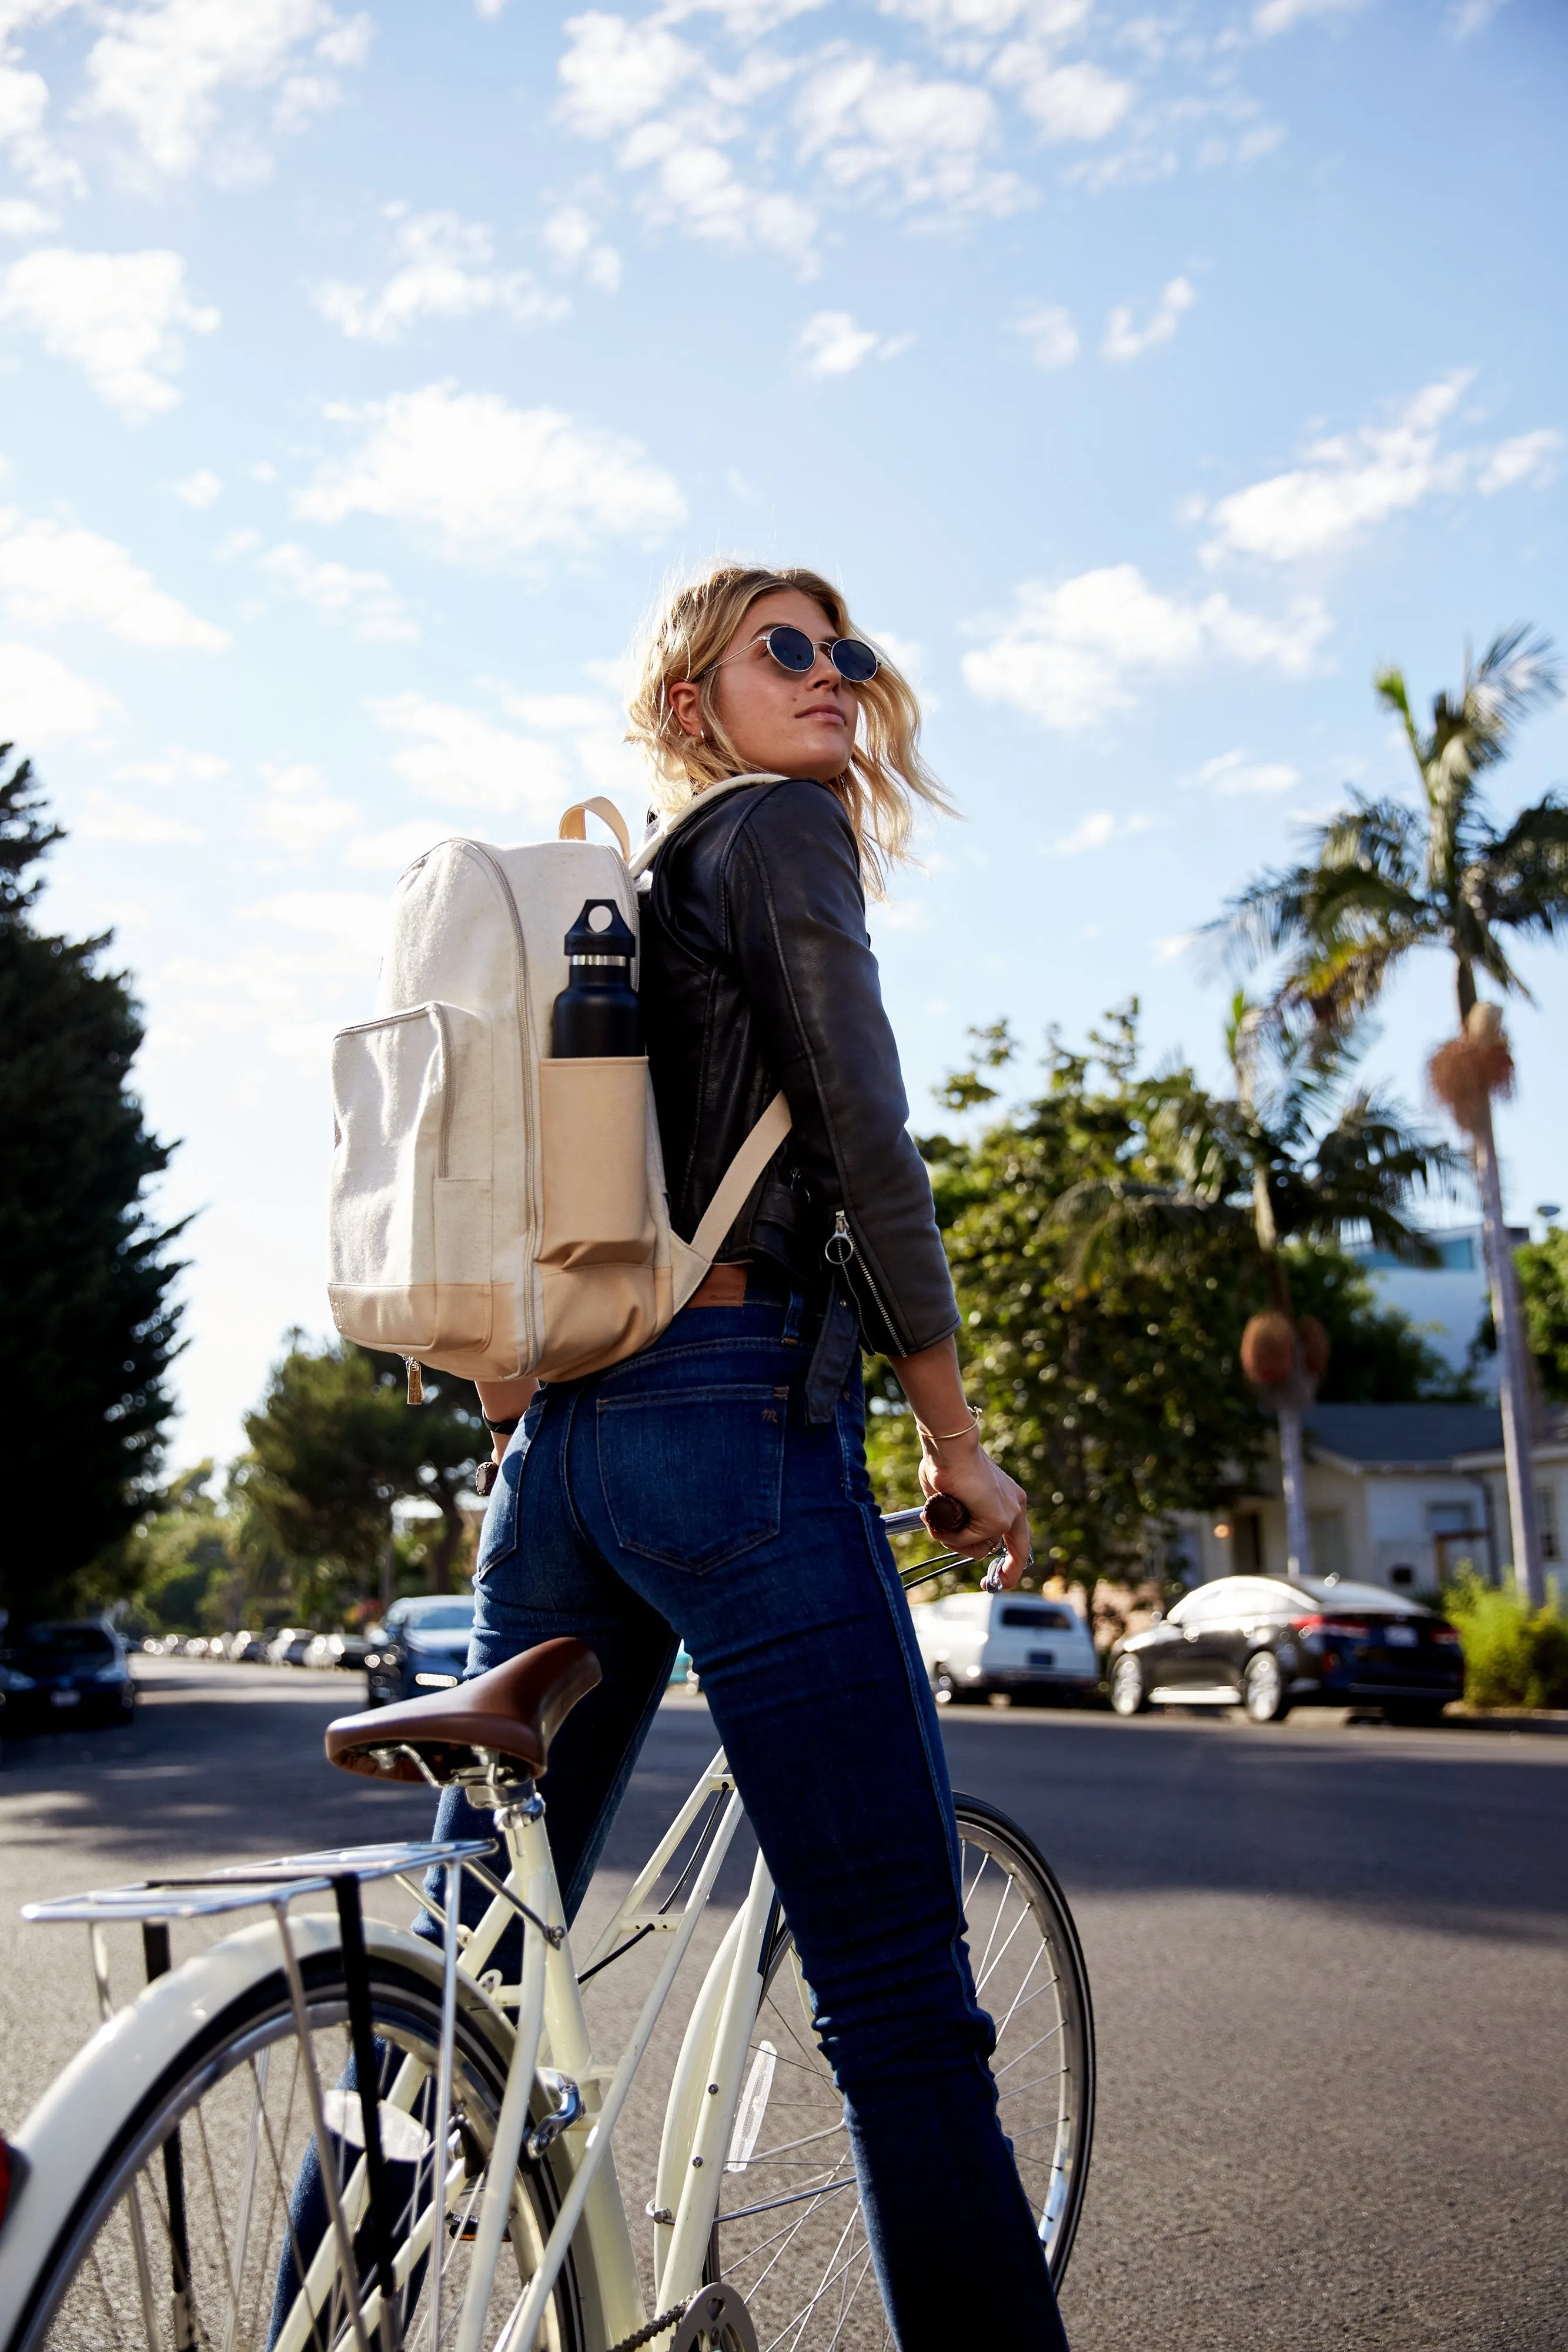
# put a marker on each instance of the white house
(1447, 1301)
(1397, 1495)
(1550, 1457)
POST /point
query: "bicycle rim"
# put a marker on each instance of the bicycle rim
(791, 2235)
(200, 2223)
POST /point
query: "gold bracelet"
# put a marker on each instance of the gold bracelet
(938, 1438)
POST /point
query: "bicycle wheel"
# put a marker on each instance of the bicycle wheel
(197, 2223)
(789, 2234)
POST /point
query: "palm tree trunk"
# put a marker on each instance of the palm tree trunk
(1515, 1387)
(1294, 1476)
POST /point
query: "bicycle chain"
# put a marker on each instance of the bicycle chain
(655, 2327)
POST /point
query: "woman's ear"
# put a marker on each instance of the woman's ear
(686, 699)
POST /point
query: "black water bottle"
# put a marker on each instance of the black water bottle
(597, 1013)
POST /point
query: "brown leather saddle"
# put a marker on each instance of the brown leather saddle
(514, 1711)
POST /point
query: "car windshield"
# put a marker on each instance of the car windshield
(65, 1641)
(439, 1616)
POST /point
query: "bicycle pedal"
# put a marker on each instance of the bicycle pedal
(464, 2228)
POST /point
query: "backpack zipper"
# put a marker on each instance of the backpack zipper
(839, 1248)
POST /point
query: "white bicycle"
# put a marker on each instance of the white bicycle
(322, 2133)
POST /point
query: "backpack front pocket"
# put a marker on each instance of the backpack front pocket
(412, 1183)
(593, 1153)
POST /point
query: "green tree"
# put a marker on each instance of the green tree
(1297, 1154)
(84, 1270)
(334, 1444)
(1385, 878)
(1543, 1268)
(1111, 1395)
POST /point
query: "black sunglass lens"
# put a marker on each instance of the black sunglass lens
(854, 659)
(791, 648)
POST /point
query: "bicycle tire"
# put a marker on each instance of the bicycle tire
(825, 2292)
(92, 2266)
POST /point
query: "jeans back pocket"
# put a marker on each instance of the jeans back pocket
(693, 1476)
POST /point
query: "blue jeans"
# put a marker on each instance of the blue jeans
(685, 1491)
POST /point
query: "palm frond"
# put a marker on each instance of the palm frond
(1526, 870)
(1125, 1220)
(1519, 669)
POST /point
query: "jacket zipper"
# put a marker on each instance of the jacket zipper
(838, 1249)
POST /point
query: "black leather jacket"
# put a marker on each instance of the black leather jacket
(756, 973)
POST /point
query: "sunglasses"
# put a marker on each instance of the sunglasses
(793, 650)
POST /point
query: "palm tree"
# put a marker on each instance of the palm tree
(1294, 1155)
(1384, 877)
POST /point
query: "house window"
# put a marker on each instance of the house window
(1448, 1519)
(1546, 1516)
(1330, 1550)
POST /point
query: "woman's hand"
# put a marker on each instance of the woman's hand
(997, 1505)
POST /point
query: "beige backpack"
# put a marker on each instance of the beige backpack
(494, 1210)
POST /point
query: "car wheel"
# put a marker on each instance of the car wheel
(948, 1693)
(1263, 1693)
(1129, 1693)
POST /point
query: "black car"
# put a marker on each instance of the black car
(1272, 1642)
(66, 1673)
(422, 1647)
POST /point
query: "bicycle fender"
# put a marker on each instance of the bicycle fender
(89, 2108)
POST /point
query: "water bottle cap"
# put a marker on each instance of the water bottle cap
(601, 929)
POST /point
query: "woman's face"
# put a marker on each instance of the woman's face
(789, 725)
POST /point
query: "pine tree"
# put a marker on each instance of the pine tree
(84, 1270)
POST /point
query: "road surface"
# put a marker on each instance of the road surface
(1328, 1965)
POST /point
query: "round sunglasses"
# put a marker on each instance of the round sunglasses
(793, 650)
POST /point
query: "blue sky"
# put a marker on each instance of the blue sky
(1147, 378)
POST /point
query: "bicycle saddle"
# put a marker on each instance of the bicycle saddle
(515, 1710)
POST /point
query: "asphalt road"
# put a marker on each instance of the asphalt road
(1328, 1965)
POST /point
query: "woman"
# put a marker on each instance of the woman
(714, 1486)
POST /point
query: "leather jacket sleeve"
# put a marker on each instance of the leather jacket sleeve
(795, 925)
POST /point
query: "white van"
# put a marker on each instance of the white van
(977, 1642)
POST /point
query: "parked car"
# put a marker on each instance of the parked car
(67, 1671)
(977, 1642)
(1268, 1643)
(420, 1647)
(289, 1645)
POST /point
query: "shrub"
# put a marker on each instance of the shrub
(1514, 1657)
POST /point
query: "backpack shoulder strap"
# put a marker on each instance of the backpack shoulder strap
(649, 849)
(738, 1178)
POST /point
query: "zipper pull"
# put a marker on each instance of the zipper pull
(415, 1379)
(840, 1246)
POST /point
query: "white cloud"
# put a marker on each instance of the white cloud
(876, 129)
(1528, 457)
(1074, 655)
(1282, 16)
(117, 316)
(389, 852)
(51, 573)
(614, 74)
(1171, 948)
(1349, 482)
(163, 69)
(830, 343)
(445, 267)
(1233, 776)
(1068, 102)
(353, 917)
(1468, 17)
(200, 488)
(489, 482)
(299, 815)
(455, 755)
(177, 766)
(41, 698)
(1124, 341)
(695, 186)
(1051, 337)
(1097, 830)
(365, 601)
(17, 216)
(571, 239)
(105, 818)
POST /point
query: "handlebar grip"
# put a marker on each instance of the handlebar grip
(944, 1515)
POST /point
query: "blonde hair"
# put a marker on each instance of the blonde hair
(886, 774)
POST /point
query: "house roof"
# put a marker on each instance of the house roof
(1407, 1436)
